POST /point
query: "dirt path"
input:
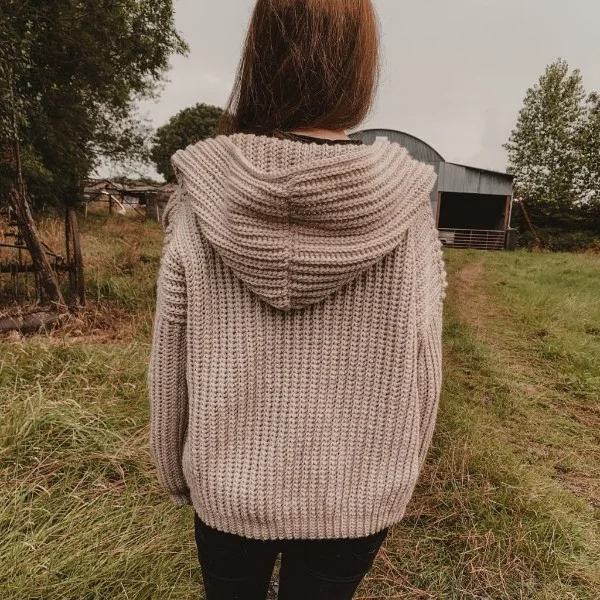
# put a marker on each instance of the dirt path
(469, 300)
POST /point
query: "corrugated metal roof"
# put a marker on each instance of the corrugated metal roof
(417, 148)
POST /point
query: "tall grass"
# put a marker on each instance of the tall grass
(508, 505)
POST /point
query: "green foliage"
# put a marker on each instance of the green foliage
(591, 151)
(543, 150)
(189, 126)
(559, 240)
(554, 151)
(77, 69)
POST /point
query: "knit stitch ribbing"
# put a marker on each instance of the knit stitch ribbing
(296, 359)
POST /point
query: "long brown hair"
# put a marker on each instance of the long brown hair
(307, 64)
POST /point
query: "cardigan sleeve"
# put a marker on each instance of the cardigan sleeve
(167, 386)
(432, 283)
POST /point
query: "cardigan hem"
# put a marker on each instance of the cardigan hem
(342, 526)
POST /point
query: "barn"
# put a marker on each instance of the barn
(472, 207)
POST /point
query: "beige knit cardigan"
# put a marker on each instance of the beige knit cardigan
(296, 359)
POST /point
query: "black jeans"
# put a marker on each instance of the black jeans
(239, 568)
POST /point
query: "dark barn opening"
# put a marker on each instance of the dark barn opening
(472, 211)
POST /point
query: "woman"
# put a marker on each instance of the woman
(296, 360)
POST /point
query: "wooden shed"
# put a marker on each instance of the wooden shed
(157, 202)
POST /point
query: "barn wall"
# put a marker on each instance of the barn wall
(468, 180)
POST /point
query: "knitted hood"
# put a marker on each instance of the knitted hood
(296, 221)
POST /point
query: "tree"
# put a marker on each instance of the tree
(189, 126)
(78, 68)
(591, 157)
(545, 149)
(71, 73)
(591, 149)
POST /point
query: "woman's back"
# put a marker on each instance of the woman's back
(305, 282)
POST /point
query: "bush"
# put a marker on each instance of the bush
(559, 240)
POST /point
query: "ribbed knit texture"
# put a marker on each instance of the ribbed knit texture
(296, 360)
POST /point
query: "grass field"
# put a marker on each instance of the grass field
(508, 506)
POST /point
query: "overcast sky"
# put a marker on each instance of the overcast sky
(454, 72)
